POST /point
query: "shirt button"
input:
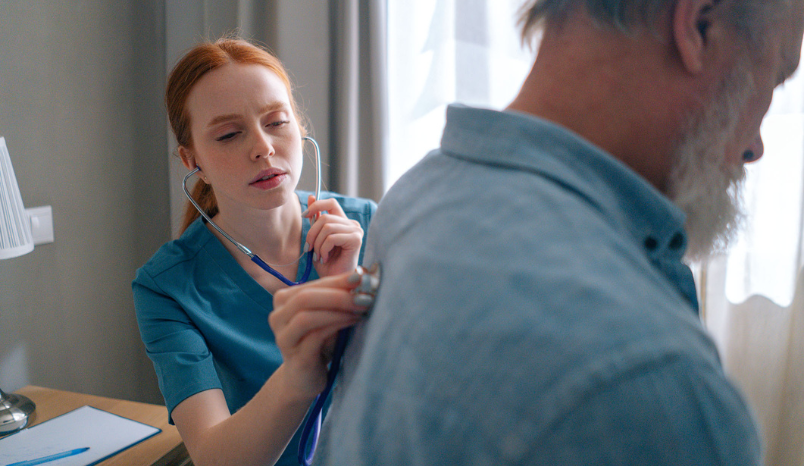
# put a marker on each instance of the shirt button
(677, 242)
(651, 244)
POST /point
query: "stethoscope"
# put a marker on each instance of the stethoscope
(369, 284)
(255, 258)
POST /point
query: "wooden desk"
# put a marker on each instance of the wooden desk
(163, 449)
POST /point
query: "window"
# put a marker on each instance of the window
(446, 51)
(766, 256)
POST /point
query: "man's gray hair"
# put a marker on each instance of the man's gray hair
(751, 18)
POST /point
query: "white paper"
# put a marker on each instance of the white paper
(103, 432)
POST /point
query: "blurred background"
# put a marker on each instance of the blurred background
(81, 109)
(82, 113)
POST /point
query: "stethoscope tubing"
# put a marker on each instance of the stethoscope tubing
(255, 258)
(369, 285)
(305, 276)
(312, 426)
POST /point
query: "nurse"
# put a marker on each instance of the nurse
(202, 306)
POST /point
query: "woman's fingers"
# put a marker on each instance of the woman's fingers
(334, 238)
(312, 299)
(329, 205)
(340, 282)
(346, 237)
(320, 303)
(333, 222)
(326, 223)
(306, 319)
(309, 331)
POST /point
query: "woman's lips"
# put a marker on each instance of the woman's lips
(269, 179)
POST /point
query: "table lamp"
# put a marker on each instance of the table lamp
(15, 240)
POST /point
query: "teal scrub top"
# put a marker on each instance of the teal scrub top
(204, 320)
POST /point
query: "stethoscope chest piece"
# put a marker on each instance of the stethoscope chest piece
(370, 280)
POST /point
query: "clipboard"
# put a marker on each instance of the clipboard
(105, 434)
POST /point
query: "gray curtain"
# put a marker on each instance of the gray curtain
(358, 103)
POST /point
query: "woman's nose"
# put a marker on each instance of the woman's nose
(755, 151)
(263, 146)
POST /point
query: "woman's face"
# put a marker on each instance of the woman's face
(245, 137)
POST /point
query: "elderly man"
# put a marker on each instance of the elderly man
(534, 306)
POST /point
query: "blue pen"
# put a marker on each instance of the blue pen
(45, 459)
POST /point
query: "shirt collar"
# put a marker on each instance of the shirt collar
(528, 143)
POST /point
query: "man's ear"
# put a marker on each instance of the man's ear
(187, 158)
(691, 22)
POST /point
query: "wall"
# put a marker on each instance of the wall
(81, 85)
(80, 108)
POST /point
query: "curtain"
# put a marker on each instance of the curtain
(358, 97)
(446, 51)
(753, 296)
(761, 344)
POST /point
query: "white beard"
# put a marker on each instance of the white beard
(702, 184)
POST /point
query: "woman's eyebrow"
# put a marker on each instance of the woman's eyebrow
(223, 119)
(271, 107)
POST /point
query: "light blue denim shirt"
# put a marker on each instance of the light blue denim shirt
(534, 309)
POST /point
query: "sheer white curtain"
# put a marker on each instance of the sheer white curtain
(446, 51)
(753, 297)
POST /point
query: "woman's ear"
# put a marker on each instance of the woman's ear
(187, 158)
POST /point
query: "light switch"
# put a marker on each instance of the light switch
(41, 224)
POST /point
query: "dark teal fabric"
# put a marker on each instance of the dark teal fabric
(204, 320)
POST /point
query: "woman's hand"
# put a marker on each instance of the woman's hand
(305, 321)
(334, 238)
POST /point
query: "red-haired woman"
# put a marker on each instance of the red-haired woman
(202, 305)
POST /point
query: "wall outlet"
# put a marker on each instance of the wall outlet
(41, 224)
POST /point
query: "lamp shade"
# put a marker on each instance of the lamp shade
(15, 227)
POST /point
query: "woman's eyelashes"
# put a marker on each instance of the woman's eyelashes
(277, 124)
(227, 136)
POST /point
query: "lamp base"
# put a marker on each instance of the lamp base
(16, 411)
